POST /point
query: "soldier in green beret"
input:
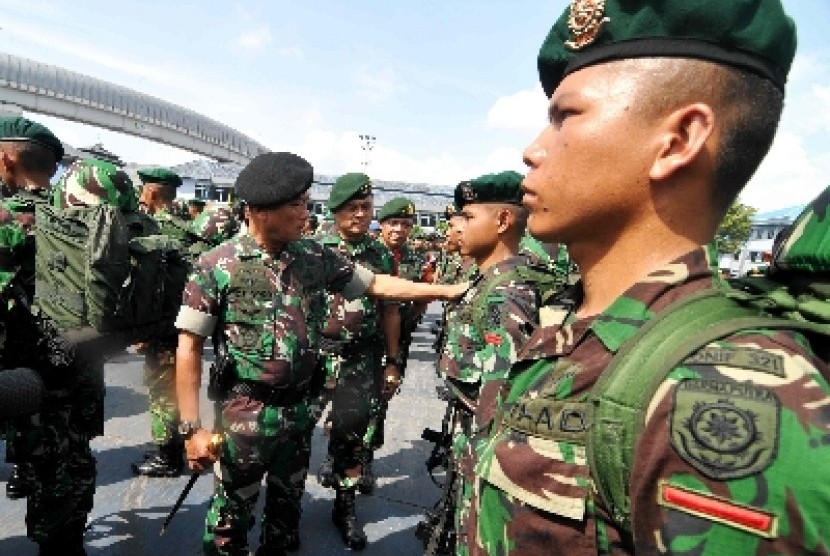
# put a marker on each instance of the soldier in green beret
(54, 466)
(354, 341)
(494, 318)
(195, 207)
(396, 219)
(660, 112)
(158, 194)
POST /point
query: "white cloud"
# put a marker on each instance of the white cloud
(522, 111)
(290, 52)
(377, 85)
(253, 40)
(790, 175)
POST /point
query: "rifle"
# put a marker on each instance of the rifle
(437, 530)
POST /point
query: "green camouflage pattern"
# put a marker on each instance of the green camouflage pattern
(534, 483)
(806, 247)
(260, 441)
(160, 380)
(353, 376)
(160, 356)
(92, 182)
(215, 226)
(480, 348)
(56, 446)
(56, 441)
(271, 338)
(359, 319)
(270, 310)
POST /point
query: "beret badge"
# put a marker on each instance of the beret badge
(467, 192)
(410, 210)
(585, 22)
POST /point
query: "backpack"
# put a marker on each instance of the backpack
(103, 272)
(794, 295)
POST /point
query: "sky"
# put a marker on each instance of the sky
(448, 89)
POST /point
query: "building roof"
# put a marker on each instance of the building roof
(789, 214)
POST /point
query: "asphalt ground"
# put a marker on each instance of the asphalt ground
(129, 510)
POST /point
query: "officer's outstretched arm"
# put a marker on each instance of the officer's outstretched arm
(384, 286)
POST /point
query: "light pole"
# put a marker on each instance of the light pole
(367, 144)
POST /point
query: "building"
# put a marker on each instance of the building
(213, 181)
(765, 227)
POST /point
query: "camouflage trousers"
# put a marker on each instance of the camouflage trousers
(160, 380)
(55, 443)
(260, 441)
(355, 407)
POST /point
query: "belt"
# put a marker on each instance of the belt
(341, 347)
(278, 397)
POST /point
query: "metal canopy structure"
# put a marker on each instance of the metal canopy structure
(51, 90)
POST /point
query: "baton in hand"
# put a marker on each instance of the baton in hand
(215, 442)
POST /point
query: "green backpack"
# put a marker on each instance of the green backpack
(795, 295)
(103, 272)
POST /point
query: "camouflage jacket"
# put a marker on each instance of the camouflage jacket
(408, 263)
(270, 309)
(480, 358)
(707, 422)
(358, 319)
(176, 227)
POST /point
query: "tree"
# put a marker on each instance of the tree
(735, 228)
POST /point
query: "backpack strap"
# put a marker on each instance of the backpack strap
(621, 396)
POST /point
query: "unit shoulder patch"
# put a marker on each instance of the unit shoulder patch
(725, 430)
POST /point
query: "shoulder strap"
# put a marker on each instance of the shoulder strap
(620, 398)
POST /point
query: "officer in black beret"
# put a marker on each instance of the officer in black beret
(261, 295)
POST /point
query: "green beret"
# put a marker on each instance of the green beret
(754, 35)
(417, 234)
(353, 185)
(196, 202)
(273, 179)
(160, 175)
(504, 187)
(21, 129)
(399, 207)
(451, 211)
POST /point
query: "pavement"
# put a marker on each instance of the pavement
(129, 510)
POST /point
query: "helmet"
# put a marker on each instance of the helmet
(90, 182)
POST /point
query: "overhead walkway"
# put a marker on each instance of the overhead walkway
(51, 90)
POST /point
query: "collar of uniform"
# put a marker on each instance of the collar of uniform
(627, 314)
(641, 301)
(249, 249)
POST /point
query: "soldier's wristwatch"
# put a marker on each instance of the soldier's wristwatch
(187, 428)
(396, 360)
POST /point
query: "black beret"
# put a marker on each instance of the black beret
(273, 179)
(21, 129)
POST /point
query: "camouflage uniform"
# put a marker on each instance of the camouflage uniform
(160, 376)
(353, 361)
(535, 490)
(55, 441)
(476, 362)
(406, 264)
(270, 310)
